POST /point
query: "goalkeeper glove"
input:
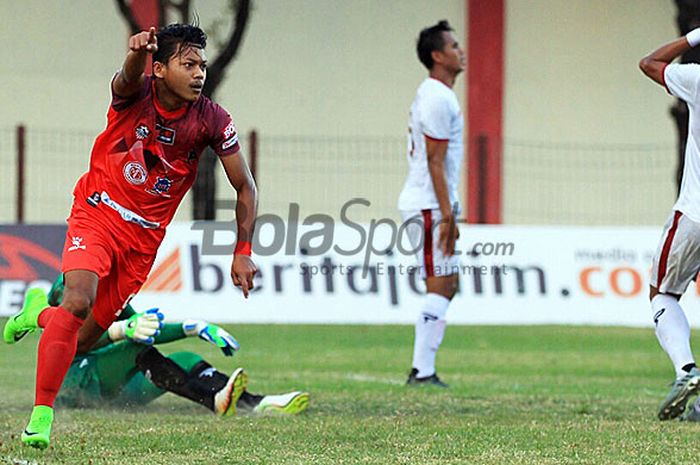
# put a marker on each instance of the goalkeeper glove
(140, 327)
(213, 334)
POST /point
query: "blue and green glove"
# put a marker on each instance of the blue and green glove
(212, 334)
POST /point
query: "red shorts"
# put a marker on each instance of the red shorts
(92, 246)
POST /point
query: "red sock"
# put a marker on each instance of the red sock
(57, 348)
(45, 316)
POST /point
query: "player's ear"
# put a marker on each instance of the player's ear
(158, 69)
(437, 56)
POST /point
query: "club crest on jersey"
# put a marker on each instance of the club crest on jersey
(165, 135)
(161, 186)
(142, 132)
(135, 173)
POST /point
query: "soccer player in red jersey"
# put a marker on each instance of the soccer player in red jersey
(141, 166)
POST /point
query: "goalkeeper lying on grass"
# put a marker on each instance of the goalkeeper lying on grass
(123, 367)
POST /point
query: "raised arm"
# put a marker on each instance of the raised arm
(654, 63)
(130, 78)
(243, 268)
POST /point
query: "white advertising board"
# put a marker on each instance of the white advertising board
(523, 275)
(314, 273)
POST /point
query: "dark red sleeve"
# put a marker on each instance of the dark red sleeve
(121, 103)
(224, 137)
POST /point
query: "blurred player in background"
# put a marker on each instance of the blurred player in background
(429, 201)
(677, 259)
(141, 166)
(123, 369)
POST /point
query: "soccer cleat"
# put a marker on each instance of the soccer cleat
(291, 403)
(26, 320)
(693, 414)
(38, 431)
(225, 400)
(432, 380)
(683, 388)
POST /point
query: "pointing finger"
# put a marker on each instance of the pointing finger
(244, 286)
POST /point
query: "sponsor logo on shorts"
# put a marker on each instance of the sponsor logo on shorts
(142, 132)
(135, 173)
(77, 244)
(657, 315)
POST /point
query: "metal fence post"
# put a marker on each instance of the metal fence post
(20, 136)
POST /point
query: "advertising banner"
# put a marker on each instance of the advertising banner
(351, 273)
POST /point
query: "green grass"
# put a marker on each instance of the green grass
(518, 395)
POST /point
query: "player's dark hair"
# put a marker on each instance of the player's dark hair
(429, 40)
(189, 35)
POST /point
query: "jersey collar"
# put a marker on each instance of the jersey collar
(174, 114)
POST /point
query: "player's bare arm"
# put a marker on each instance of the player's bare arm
(653, 64)
(447, 232)
(243, 268)
(130, 78)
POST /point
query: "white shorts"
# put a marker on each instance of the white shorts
(421, 228)
(677, 258)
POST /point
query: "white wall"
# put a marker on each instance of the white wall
(573, 84)
(572, 74)
(348, 67)
(308, 67)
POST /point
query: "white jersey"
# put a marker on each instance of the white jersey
(683, 81)
(435, 114)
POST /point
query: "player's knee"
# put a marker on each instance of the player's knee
(77, 302)
(445, 286)
(451, 287)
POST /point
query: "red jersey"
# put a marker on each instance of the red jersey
(146, 159)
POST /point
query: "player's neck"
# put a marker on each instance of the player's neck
(441, 74)
(167, 99)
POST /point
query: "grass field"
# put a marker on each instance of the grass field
(530, 395)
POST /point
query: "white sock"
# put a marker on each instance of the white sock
(672, 331)
(430, 329)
